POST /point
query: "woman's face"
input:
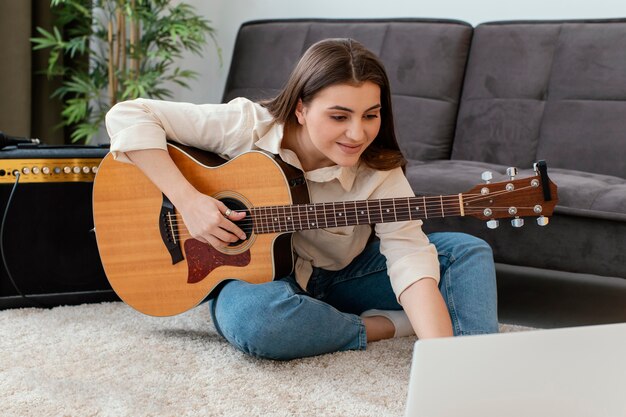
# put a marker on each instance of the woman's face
(338, 125)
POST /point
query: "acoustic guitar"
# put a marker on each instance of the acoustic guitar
(156, 267)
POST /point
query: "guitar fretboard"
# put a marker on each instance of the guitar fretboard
(291, 218)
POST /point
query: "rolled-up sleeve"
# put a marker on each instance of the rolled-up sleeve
(225, 129)
(410, 255)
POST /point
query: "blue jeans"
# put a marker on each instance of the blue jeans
(279, 320)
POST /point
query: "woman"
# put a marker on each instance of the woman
(333, 120)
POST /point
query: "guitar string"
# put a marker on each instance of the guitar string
(276, 228)
(435, 203)
(284, 226)
(272, 228)
(327, 208)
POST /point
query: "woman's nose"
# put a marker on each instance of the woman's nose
(356, 131)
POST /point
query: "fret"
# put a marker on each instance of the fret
(325, 217)
(277, 218)
(285, 218)
(356, 213)
(338, 215)
(374, 211)
(312, 215)
(255, 223)
(318, 214)
(268, 217)
(409, 209)
(386, 208)
(306, 212)
(345, 214)
(293, 224)
(311, 222)
(415, 208)
(334, 214)
(272, 219)
(298, 209)
(403, 209)
(362, 213)
(425, 209)
(395, 214)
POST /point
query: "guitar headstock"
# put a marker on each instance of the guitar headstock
(533, 196)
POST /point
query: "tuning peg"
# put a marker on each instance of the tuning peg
(517, 222)
(543, 220)
(486, 176)
(511, 172)
(493, 224)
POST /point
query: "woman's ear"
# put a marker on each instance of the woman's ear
(300, 112)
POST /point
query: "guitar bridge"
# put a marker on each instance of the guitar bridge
(168, 227)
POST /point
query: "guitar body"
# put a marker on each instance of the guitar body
(133, 238)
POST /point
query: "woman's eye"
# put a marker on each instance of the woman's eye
(338, 118)
(371, 116)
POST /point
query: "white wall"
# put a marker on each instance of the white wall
(227, 15)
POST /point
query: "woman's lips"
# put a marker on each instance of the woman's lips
(351, 149)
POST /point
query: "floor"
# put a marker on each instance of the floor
(563, 301)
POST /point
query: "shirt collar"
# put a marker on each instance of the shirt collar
(271, 142)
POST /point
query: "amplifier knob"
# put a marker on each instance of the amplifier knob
(45, 170)
(67, 170)
(36, 170)
(26, 170)
(57, 170)
(86, 170)
(76, 170)
(94, 169)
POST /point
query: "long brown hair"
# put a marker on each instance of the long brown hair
(341, 61)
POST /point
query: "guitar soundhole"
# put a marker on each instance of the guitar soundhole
(246, 224)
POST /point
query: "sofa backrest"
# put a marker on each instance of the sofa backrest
(546, 90)
(425, 62)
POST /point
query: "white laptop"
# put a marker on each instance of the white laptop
(570, 372)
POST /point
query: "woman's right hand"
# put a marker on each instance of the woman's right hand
(206, 220)
(204, 216)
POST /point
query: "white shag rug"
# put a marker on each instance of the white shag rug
(109, 360)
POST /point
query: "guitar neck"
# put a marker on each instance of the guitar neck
(291, 218)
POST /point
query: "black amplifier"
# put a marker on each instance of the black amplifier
(48, 254)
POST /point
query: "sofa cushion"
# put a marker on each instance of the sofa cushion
(546, 90)
(425, 62)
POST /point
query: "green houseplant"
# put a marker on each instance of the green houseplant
(112, 50)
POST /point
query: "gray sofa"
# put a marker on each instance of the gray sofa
(502, 94)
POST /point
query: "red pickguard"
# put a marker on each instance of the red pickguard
(203, 258)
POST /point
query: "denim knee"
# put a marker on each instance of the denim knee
(468, 245)
(246, 315)
(276, 320)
